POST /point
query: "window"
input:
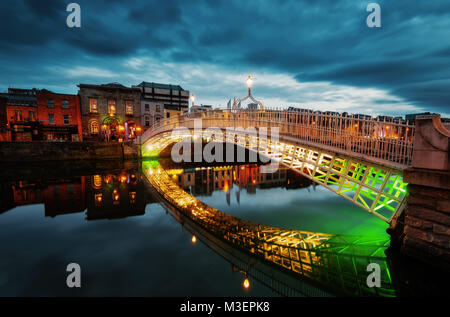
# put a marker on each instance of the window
(50, 103)
(32, 115)
(168, 115)
(147, 121)
(158, 108)
(51, 118)
(147, 107)
(66, 119)
(129, 107)
(65, 104)
(17, 115)
(93, 105)
(94, 127)
(111, 107)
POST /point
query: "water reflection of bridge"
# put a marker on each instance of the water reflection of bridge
(335, 263)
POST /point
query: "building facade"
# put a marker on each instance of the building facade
(4, 135)
(21, 114)
(161, 101)
(59, 116)
(110, 112)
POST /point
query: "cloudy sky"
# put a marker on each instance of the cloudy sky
(307, 53)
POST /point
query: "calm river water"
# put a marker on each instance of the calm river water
(127, 244)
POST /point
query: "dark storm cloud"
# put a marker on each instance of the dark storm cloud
(310, 40)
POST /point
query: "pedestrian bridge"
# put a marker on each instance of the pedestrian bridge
(358, 158)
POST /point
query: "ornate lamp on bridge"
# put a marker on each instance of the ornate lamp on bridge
(192, 99)
(249, 82)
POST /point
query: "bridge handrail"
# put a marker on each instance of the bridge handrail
(386, 140)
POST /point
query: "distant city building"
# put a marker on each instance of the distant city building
(412, 117)
(360, 116)
(201, 108)
(110, 111)
(294, 109)
(161, 101)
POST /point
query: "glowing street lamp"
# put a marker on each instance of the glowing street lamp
(249, 82)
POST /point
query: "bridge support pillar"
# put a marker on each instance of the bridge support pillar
(426, 219)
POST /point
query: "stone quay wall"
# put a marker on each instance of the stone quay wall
(61, 151)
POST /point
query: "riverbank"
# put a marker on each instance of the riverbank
(66, 151)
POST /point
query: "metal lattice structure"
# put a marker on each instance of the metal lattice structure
(324, 258)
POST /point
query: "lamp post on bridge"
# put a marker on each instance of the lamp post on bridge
(192, 100)
(249, 82)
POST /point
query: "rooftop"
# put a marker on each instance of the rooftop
(160, 86)
(114, 85)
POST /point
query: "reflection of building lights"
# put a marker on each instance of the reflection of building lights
(97, 181)
(194, 239)
(225, 187)
(115, 197)
(98, 199)
(132, 197)
(246, 283)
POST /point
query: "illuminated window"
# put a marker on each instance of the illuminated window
(147, 121)
(65, 104)
(32, 115)
(17, 115)
(129, 107)
(94, 127)
(158, 108)
(111, 107)
(93, 105)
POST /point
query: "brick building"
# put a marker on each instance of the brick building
(110, 111)
(36, 115)
(59, 115)
(21, 114)
(4, 135)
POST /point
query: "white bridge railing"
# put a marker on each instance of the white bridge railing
(386, 142)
